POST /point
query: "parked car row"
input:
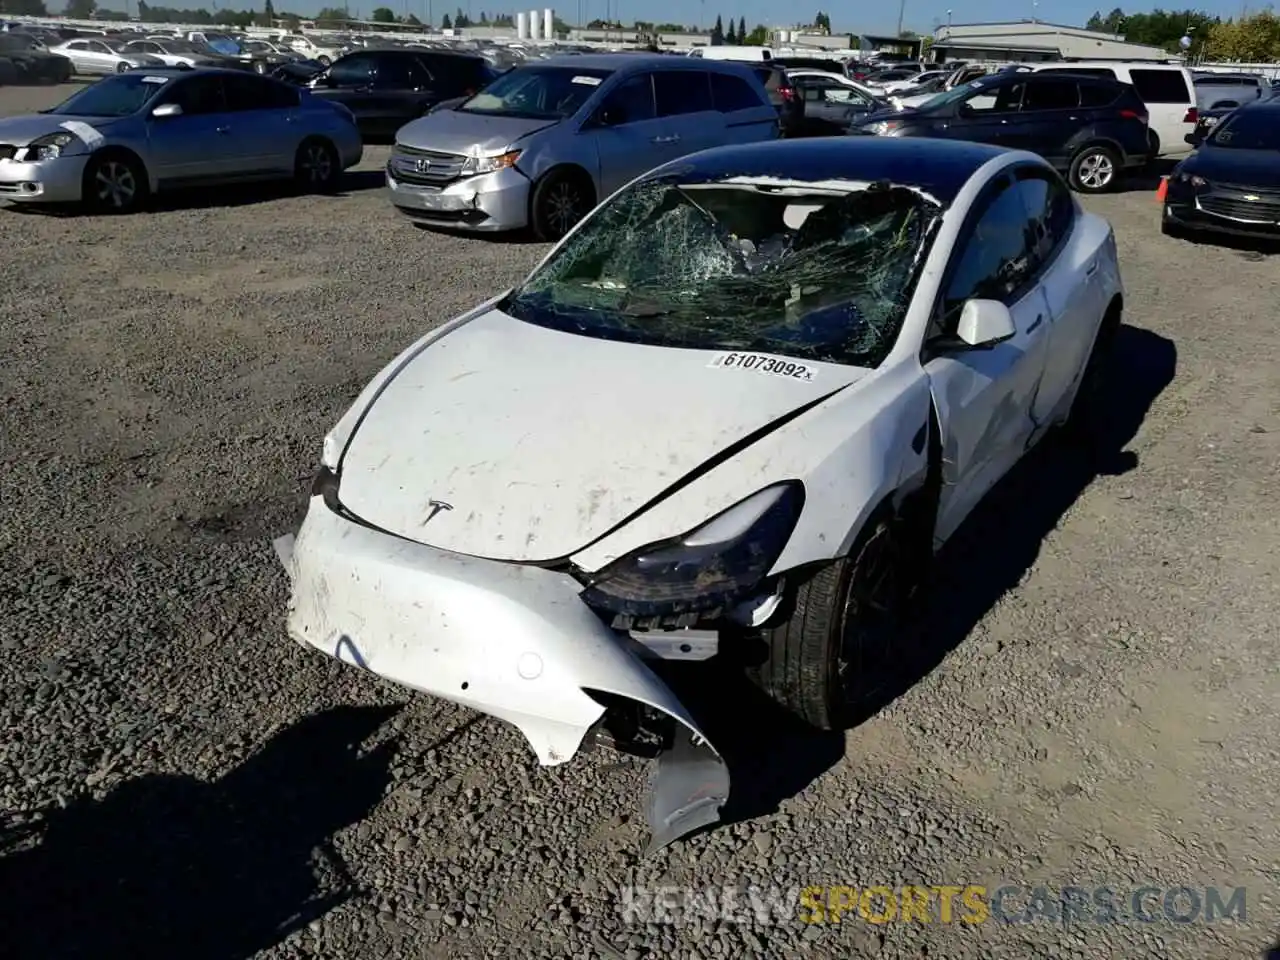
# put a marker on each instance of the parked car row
(114, 143)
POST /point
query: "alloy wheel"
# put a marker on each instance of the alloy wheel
(1096, 171)
(564, 207)
(873, 615)
(316, 164)
(115, 185)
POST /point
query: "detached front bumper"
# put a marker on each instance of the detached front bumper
(508, 640)
(46, 181)
(489, 202)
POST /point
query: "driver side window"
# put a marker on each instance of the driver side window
(995, 262)
(632, 100)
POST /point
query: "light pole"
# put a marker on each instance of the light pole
(902, 6)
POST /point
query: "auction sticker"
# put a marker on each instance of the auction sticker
(763, 363)
(587, 81)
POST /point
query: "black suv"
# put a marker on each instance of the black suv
(386, 89)
(1090, 128)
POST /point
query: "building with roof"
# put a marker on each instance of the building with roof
(1029, 40)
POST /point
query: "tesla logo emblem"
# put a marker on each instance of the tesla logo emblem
(434, 507)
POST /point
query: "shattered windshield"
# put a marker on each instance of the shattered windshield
(804, 270)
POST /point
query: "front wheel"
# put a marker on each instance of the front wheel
(843, 628)
(316, 168)
(1094, 170)
(113, 183)
(560, 200)
(122, 67)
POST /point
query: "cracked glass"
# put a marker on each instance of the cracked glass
(811, 271)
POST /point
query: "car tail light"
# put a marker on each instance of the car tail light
(1133, 115)
(787, 93)
(1193, 116)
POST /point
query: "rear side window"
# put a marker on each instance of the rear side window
(1051, 93)
(1098, 95)
(682, 91)
(1161, 86)
(402, 73)
(730, 93)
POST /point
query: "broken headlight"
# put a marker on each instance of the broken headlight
(715, 566)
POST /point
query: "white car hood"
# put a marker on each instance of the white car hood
(541, 441)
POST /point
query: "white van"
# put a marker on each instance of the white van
(750, 54)
(1167, 89)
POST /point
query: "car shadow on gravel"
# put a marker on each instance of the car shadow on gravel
(168, 866)
(1000, 541)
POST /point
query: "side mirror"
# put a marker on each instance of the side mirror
(985, 323)
(611, 117)
(964, 110)
(167, 110)
(1192, 139)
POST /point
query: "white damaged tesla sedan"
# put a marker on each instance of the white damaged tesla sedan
(743, 402)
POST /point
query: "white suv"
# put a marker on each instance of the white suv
(1167, 89)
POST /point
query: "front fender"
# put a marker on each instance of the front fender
(864, 444)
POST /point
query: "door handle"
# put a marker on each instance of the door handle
(1039, 320)
(1091, 269)
(674, 138)
(223, 129)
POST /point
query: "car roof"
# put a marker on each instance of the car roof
(631, 62)
(938, 167)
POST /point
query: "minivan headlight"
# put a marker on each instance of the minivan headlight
(478, 165)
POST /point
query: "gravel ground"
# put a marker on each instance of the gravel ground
(177, 778)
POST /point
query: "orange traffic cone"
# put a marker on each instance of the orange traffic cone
(1162, 189)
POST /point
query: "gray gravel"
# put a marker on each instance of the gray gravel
(178, 779)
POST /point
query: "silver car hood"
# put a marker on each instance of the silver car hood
(468, 134)
(540, 441)
(20, 131)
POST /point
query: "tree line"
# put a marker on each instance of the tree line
(1248, 39)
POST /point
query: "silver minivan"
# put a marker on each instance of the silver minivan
(544, 143)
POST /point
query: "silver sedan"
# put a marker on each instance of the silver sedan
(103, 55)
(112, 144)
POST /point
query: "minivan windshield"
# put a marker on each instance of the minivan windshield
(802, 270)
(1248, 130)
(118, 96)
(537, 93)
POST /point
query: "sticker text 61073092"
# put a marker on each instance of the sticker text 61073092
(762, 363)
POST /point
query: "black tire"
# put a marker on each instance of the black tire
(560, 200)
(316, 167)
(1095, 169)
(829, 656)
(323, 61)
(114, 183)
(1086, 407)
(122, 67)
